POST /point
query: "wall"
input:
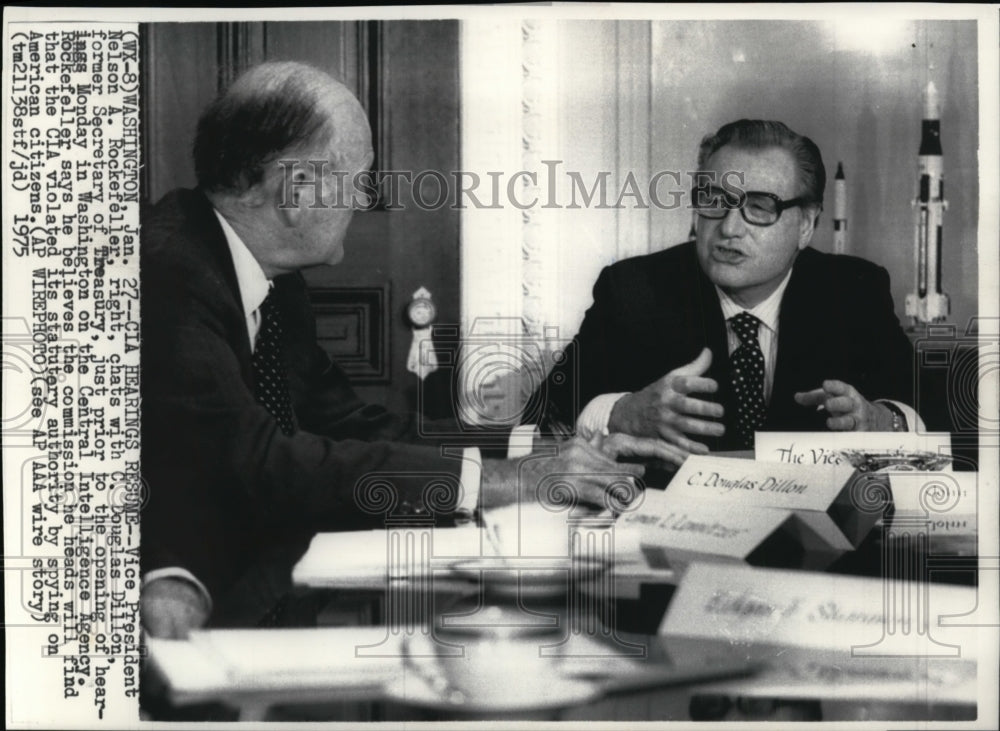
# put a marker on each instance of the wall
(584, 89)
(554, 99)
(637, 96)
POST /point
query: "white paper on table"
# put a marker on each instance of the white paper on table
(360, 559)
(808, 674)
(348, 559)
(243, 660)
(296, 656)
(186, 668)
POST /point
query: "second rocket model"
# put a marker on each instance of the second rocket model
(839, 211)
(928, 303)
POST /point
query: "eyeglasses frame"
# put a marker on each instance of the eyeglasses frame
(779, 204)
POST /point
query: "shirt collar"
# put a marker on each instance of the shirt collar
(766, 311)
(253, 283)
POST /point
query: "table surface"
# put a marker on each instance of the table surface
(641, 598)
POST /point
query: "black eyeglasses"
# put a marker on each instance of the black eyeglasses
(756, 207)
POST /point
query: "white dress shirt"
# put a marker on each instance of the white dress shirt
(253, 283)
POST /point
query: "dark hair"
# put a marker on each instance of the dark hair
(271, 109)
(758, 134)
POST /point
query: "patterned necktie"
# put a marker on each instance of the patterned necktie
(270, 377)
(747, 363)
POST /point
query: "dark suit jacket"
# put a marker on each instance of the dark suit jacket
(654, 313)
(227, 491)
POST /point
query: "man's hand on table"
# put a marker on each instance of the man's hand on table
(848, 410)
(589, 466)
(666, 408)
(171, 608)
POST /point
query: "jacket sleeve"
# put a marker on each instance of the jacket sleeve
(585, 369)
(886, 356)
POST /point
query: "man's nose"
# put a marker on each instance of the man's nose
(733, 224)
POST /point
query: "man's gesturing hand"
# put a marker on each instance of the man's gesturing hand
(171, 608)
(666, 409)
(848, 409)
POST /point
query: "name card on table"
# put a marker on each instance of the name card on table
(820, 496)
(814, 610)
(672, 531)
(826, 448)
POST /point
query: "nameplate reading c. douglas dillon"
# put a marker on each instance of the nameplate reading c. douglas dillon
(824, 498)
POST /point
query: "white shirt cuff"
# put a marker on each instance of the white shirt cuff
(176, 572)
(913, 420)
(472, 480)
(522, 441)
(595, 415)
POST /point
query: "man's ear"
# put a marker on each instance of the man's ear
(284, 190)
(808, 222)
(254, 196)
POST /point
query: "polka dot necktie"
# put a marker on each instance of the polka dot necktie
(270, 377)
(747, 363)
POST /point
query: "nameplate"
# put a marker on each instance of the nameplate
(821, 611)
(827, 448)
(821, 496)
(672, 532)
(940, 503)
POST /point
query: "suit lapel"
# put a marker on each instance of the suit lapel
(220, 262)
(710, 332)
(699, 322)
(797, 340)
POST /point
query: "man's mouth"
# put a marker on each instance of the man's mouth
(727, 254)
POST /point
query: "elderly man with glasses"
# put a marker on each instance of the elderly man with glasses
(746, 328)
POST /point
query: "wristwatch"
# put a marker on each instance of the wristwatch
(898, 417)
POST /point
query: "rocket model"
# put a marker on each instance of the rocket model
(839, 211)
(928, 303)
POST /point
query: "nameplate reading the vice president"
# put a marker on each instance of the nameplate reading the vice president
(827, 448)
(824, 498)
